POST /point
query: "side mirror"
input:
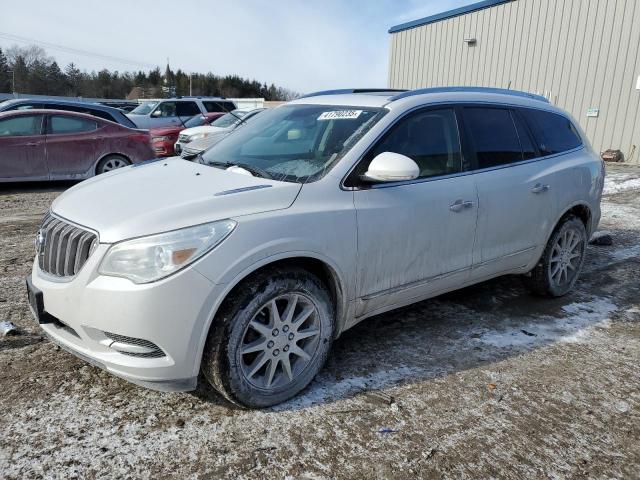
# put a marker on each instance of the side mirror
(391, 167)
(156, 113)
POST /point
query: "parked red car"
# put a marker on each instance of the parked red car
(164, 138)
(59, 145)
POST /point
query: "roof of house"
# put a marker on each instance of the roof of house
(474, 7)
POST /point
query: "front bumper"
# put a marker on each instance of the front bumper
(82, 315)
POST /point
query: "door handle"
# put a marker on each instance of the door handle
(539, 188)
(31, 144)
(460, 205)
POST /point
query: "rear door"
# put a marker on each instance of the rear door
(71, 145)
(22, 148)
(515, 198)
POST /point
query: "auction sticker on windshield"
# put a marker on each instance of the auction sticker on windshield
(340, 115)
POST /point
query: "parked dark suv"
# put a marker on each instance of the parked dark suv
(101, 111)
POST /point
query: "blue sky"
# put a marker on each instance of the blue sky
(304, 46)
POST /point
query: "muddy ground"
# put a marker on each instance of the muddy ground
(485, 382)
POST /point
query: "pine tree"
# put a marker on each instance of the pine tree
(5, 74)
(73, 79)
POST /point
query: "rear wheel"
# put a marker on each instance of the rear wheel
(270, 339)
(558, 269)
(111, 162)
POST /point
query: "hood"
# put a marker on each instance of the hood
(202, 144)
(203, 129)
(167, 194)
(158, 132)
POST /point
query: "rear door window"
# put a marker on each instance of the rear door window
(187, 109)
(20, 126)
(212, 106)
(61, 124)
(554, 133)
(524, 134)
(493, 136)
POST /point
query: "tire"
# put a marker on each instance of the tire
(246, 339)
(548, 278)
(111, 162)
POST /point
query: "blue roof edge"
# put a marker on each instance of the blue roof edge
(448, 14)
(501, 91)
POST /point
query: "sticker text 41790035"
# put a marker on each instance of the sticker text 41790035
(340, 115)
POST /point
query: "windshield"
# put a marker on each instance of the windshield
(144, 108)
(196, 121)
(295, 143)
(228, 119)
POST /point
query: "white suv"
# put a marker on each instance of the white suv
(318, 214)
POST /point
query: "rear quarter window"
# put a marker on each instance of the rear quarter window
(553, 133)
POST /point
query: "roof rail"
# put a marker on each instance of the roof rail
(345, 91)
(502, 91)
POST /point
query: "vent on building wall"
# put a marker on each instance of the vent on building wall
(470, 41)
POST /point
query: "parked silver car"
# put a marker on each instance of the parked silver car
(315, 216)
(193, 141)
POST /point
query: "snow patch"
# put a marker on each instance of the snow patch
(578, 325)
(327, 387)
(620, 182)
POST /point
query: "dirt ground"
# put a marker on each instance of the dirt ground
(485, 382)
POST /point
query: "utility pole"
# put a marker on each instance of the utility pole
(190, 89)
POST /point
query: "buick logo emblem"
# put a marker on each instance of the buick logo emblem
(39, 242)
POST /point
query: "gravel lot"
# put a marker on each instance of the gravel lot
(485, 382)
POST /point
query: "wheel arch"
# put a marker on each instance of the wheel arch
(323, 268)
(578, 209)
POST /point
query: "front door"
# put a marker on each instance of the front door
(22, 148)
(416, 238)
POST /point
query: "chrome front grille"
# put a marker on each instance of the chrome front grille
(63, 248)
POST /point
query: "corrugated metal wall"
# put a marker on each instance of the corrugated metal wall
(580, 54)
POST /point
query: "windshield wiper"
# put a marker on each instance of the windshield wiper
(249, 168)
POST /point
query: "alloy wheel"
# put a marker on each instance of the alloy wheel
(565, 257)
(280, 341)
(114, 163)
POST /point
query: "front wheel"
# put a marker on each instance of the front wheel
(270, 339)
(561, 262)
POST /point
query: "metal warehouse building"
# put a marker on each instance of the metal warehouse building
(583, 55)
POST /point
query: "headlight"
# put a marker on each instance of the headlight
(198, 136)
(147, 259)
(160, 139)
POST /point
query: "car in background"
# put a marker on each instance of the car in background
(176, 111)
(163, 138)
(193, 141)
(60, 145)
(97, 110)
